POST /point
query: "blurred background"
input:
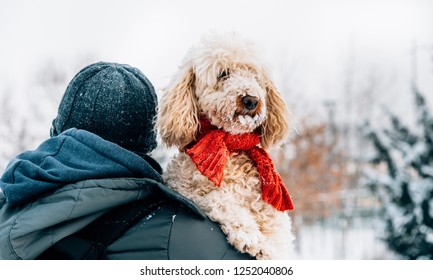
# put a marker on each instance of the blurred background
(357, 75)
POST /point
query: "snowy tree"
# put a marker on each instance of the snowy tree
(405, 185)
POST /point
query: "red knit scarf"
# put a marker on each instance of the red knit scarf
(212, 148)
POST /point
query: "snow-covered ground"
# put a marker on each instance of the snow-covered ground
(330, 242)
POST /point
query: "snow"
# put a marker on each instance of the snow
(428, 233)
(243, 120)
(413, 154)
(427, 170)
(420, 190)
(430, 204)
(150, 216)
(397, 216)
(352, 242)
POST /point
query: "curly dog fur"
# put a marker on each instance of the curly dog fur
(224, 80)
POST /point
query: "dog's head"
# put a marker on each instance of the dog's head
(223, 80)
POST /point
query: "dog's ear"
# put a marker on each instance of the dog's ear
(177, 113)
(276, 126)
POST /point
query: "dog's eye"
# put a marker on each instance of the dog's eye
(224, 74)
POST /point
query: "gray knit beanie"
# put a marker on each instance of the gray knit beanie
(115, 101)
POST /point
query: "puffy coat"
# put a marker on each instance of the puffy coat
(72, 179)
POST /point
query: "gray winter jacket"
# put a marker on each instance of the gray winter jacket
(74, 178)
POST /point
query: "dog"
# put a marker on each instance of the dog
(221, 110)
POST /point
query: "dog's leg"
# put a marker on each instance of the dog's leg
(237, 222)
(277, 242)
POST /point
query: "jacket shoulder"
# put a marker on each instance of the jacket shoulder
(24, 234)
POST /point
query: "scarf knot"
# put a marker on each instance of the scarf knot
(212, 148)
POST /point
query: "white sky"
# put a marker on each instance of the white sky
(310, 40)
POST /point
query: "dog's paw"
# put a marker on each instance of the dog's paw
(247, 243)
(247, 239)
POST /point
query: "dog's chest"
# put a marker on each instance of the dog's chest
(239, 169)
(239, 175)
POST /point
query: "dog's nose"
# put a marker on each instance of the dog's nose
(250, 102)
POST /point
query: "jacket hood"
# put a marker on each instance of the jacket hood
(72, 156)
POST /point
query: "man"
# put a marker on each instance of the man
(97, 164)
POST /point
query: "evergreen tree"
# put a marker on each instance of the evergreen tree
(406, 187)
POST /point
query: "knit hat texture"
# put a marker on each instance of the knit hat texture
(115, 101)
